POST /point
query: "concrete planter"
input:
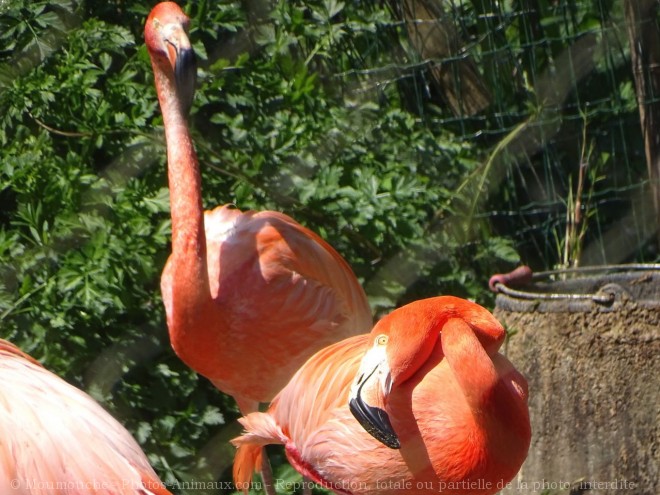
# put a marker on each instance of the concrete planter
(593, 366)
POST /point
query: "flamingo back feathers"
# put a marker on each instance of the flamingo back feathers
(280, 293)
(53, 435)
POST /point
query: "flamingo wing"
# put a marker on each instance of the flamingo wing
(268, 252)
(54, 438)
(304, 409)
(284, 294)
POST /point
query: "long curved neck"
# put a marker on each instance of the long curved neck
(416, 327)
(190, 280)
(470, 363)
(495, 392)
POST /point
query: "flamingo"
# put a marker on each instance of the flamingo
(422, 403)
(55, 439)
(249, 296)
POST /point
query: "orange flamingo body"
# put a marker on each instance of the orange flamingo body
(249, 296)
(457, 408)
(55, 439)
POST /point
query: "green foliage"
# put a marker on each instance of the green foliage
(85, 225)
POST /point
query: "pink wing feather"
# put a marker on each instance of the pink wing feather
(55, 439)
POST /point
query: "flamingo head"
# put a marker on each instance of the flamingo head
(166, 36)
(402, 342)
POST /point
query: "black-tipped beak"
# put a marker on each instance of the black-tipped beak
(185, 74)
(375, 421)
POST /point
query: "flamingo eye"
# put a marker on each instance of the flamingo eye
(381, 340)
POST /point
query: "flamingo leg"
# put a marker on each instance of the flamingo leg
(307, 486)
(267, 474)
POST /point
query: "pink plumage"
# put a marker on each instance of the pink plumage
(56, 440)
(457, 407)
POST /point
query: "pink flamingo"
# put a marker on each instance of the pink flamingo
(249, 295)
(423, 403)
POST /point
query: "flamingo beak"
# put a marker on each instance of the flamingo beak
(369, 391)
(185, 74)
(184, 63)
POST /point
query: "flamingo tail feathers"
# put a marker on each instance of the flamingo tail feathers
(260, 430)
(247, 460)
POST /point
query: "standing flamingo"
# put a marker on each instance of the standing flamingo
(56, 440)
(249, 296)
(424, 403)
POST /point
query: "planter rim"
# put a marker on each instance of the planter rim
(598, 288)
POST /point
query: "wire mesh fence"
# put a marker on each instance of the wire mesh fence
(547, 90)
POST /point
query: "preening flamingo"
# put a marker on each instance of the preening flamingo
(249, 296)
(55, 439)
(427, 381)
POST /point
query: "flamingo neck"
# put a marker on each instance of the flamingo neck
(415, 329)
(495, 393)
(509, 415)
(470, 363)
(190, 282)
